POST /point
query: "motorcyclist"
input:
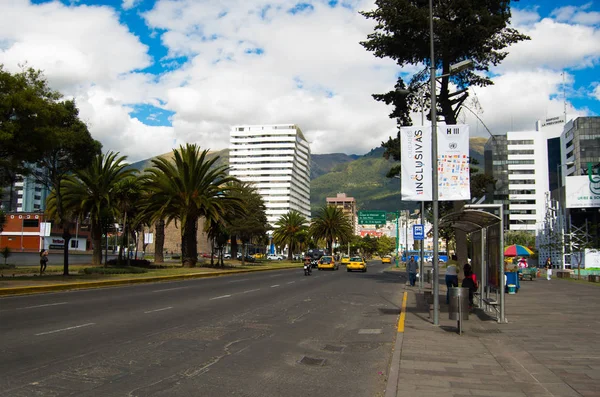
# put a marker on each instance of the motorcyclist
(307, 264)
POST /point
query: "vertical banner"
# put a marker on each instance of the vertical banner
(453, 162)
(415, 163)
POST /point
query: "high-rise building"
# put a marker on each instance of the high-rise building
(519, 162)
(30, 195)
(348, 207)
(276, 159)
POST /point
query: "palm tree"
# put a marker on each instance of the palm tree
(91, 193)
(330, 224)
(127, 194)
(288, 230)
(186, 189)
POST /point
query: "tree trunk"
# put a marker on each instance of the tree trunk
(189, 249)
(243, 252)
(234, 246)
(96, 243)
(212, 252)
(159, 242)
(66, 235)
(290, 251)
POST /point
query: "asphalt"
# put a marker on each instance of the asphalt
(549, 346)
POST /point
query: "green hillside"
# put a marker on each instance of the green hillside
(361, 177)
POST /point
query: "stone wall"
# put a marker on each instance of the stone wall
(173, 238)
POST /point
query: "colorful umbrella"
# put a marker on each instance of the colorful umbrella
(517, 250)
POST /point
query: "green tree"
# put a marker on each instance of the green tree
(26, 103)
(289, 229)
(463, 29)
(330, 224)
(386, 245)
(91, 193)
(250, 222)
(67, 148)
(127, 195)
(526, 239)
(186, 189)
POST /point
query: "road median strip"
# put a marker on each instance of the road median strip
(35, 289)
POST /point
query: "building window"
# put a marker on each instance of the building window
(31, 223)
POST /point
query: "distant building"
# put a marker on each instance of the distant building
(348, 206)
(276, 159)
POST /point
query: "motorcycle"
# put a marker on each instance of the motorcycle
(307, 269)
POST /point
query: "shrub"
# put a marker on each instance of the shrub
(133, 262)
(114, 270)
(4, 266)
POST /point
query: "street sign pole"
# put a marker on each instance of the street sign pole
(397, 237)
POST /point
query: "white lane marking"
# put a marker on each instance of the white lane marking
(158, 310)
(291, 282)
(237, 281)
(220, 297)
(48, 304)
(251, 290)
(64, 329)
(276, 285)
(169, 289)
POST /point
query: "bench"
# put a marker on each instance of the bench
(492, 303)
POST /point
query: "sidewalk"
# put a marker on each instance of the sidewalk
(549, 347)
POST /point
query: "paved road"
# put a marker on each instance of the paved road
(56, 258)
(261, 334)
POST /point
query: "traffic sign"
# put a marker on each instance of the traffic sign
(371, 217)
(418, 232)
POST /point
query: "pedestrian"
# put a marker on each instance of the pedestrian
(43, 260)
(470, 282)
(411, 269)
(451, 280)
(548, 267)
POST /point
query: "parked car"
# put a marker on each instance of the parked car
(273, 257)
(226, 256)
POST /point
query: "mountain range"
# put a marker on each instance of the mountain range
(360, 176)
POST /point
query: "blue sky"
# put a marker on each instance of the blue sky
(151, 74)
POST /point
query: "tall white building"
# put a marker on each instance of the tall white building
(276, 158)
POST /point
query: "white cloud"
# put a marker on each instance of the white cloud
(129, 4)
(312, 70)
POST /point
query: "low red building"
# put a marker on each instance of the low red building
(25, 232)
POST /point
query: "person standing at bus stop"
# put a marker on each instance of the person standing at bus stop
(411, 269)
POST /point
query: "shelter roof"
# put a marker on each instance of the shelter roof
(469, 220)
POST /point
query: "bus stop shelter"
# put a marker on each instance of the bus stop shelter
(486, 231)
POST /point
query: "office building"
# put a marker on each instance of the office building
(348, 207)
(276, 159)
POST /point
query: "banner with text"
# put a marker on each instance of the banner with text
(415, 164)
(453, 162)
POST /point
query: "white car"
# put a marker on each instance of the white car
(273, 257)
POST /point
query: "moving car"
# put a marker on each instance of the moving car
(386, 259)
(327, 262)
(356, 263)
(345, 260)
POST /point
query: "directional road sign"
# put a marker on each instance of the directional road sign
(371, 217)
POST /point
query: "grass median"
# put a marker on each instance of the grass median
(22, 277)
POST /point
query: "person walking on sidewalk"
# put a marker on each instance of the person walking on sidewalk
(548, 267)
(411, 269)
(451, 280)
(43, 260)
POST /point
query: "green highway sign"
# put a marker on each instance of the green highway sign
(371, 217)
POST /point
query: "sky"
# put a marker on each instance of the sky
(150, 75)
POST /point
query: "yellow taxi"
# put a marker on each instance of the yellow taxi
(345, 260)
(327, 262)
(258, 255)
(386, 259)
(356, 263)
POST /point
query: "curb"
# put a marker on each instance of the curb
(37, 289)
(391, 388)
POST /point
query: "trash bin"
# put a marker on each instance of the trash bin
(512, 289)
(459, 303)
(428, 277)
